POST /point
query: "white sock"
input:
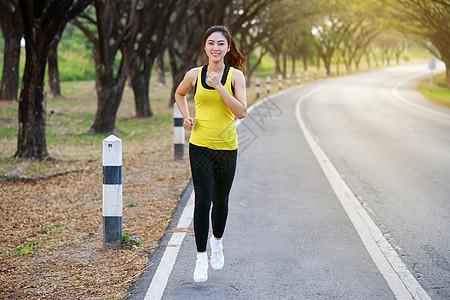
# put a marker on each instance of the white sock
(216, 243)
(202, 256)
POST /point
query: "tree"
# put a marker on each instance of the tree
(328, 38)
(12, 29)
(114, 30)
(154, 25)
(43, 24)
(428, 20)
(389, 44)
(358, 33)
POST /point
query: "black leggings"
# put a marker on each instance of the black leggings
(212, 174)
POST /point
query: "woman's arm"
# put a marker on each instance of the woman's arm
(238, 103)
(180, 97)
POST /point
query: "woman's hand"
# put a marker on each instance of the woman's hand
(213, 79)
(188, 123)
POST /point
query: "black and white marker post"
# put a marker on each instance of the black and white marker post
(178, 132)
(258, 87)
(268, 84)
(112, 192)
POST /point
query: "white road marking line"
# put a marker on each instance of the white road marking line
(394, 271)
(407, 127)
(396, 94)
(159, 280)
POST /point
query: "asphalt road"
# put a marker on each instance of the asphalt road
(288, 235)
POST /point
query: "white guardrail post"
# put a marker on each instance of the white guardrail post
(258, 87)
(112, 192)
(178, 132)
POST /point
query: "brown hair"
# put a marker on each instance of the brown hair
(234, 57)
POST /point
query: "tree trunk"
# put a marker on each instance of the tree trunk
(276, 57)
(284, 71)
(109, 95)
(177, 78)
(338, 61)
(305, 63)
(10, 74)
(178, 71)
(140, 83)
(447, 70)
(31, 142)
(293, 65)
(368, 59)
(160, 69)
(53, 72)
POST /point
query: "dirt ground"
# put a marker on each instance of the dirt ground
(51, 237)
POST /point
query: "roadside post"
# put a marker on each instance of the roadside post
(268, 84)
(431, 66)
(258, 87)
(299, 78)
(112, 192)
(306, 75)
(178, 132)
(280, 82)
(288, 79)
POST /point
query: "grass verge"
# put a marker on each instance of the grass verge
(440, 94)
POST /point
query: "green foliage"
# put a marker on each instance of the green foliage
(130, 239)
(440, 94)
(30, 246)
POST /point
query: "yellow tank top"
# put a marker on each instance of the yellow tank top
(214, 122)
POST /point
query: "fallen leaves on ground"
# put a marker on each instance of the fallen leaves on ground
(51, 239)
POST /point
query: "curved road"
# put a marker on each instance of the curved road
(392, 148)
(290, 235)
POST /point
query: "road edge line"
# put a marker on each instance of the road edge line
(412, 105)
(400, 280)
(165, 266)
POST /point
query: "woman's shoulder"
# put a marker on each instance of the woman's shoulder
(192, 74)
(237, 74)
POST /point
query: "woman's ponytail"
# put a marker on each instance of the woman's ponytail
(234, 57)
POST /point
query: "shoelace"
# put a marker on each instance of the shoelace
(203, 266)
(217, 255)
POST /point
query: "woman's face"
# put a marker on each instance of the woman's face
(216, 46)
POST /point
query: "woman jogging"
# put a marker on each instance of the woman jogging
(220, 96)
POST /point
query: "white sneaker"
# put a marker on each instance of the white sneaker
(201, 270)
(217, 258)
